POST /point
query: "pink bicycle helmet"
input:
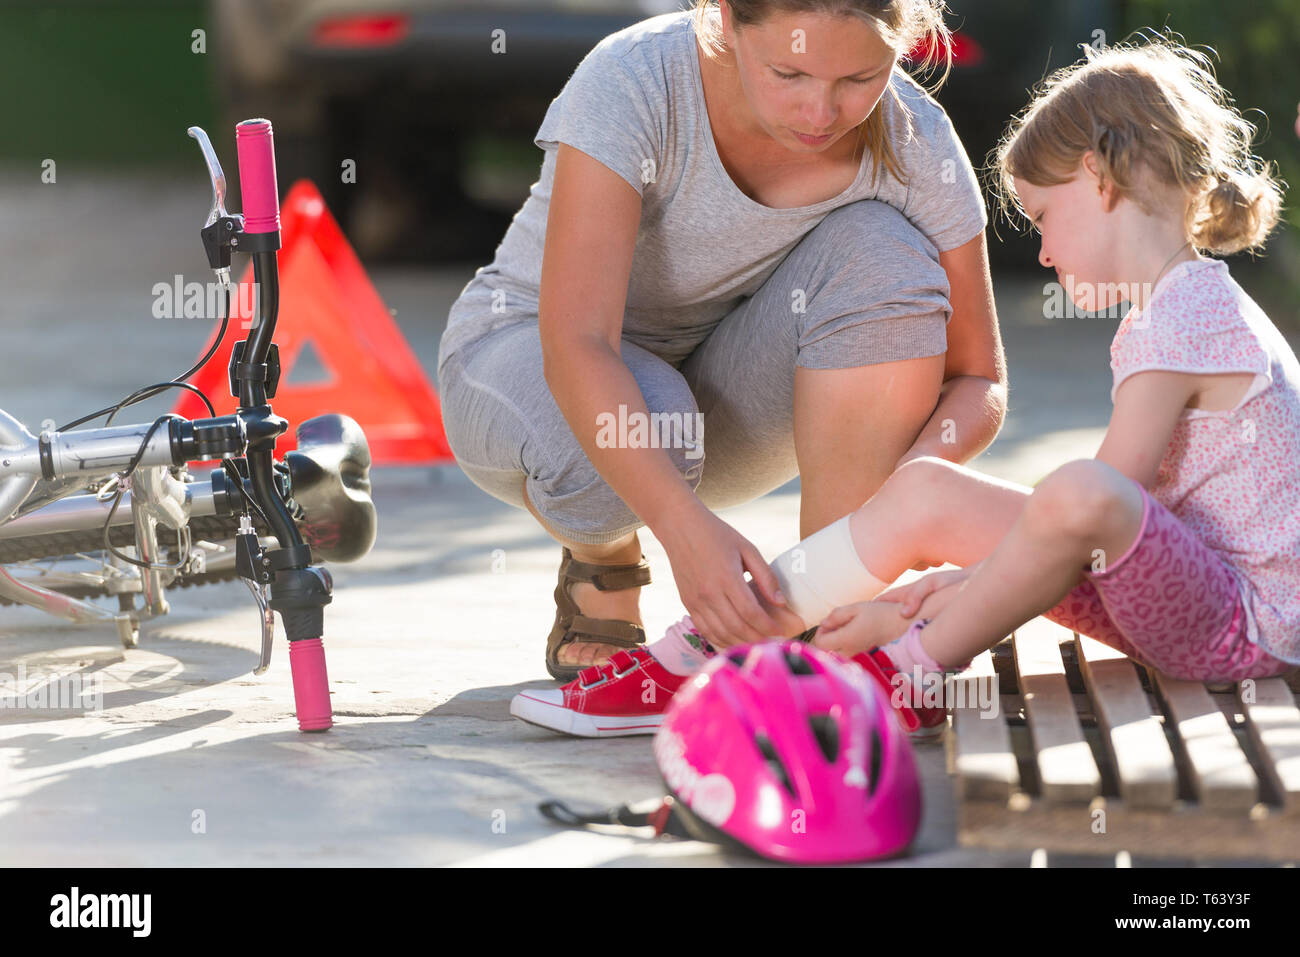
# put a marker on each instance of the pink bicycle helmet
(791, 754)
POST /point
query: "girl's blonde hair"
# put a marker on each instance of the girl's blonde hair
(904, 25)
(1151, 109)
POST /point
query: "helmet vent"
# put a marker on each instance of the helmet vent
(774, 762)
(738, 656)
(877, 756)
(798, 664)
(827, 733)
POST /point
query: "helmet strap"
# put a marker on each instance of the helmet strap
(661, 817)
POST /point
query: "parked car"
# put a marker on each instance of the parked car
(405, 88)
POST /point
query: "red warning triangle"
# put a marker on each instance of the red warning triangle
(330, 310)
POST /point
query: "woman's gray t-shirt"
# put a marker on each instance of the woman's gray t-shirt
(636, 104)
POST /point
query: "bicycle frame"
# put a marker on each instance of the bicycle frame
(39, 475)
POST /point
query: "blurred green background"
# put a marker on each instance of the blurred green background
(1256, 48)
(114, 83)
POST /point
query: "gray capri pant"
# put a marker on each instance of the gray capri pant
(506, 431)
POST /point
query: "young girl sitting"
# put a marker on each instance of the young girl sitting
(1179, 544)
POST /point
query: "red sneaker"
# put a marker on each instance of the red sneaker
(626, 695)
(921, 722)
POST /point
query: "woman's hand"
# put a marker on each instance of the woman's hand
(709, 559)
(910, 596)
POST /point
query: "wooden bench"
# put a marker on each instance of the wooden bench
(1083, 751)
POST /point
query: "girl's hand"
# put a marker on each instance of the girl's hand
(709, 559)
(846, 631)
(910, 596)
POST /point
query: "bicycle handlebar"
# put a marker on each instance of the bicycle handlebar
(297, 589)
(257, 186)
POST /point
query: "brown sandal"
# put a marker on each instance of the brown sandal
(572, 626)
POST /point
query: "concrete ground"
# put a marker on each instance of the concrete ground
(193, 760)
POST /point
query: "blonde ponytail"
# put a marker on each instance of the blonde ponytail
(1238, 213)
(1145, 110)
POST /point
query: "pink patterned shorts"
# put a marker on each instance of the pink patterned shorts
(1169, 602)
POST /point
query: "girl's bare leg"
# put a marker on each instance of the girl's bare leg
(936, 511)
(1083, 513)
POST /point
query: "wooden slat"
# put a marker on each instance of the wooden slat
(1134, 739)
(1181, 832)
(1220, 773)
(1273, 723)
(980, 754)
(1066, 768)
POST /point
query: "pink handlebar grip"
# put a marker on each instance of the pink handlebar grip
(311, 693)
(257, 185)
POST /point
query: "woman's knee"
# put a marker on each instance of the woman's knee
(864, 217)
(874, 290)
(871, 230)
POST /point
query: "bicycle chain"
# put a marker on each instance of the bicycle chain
(213, 528)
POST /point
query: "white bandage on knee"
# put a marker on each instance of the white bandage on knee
(823, 572)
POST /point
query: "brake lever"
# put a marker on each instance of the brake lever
(221, 230)
(248, 555)
(215, 173)
(268, 625)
